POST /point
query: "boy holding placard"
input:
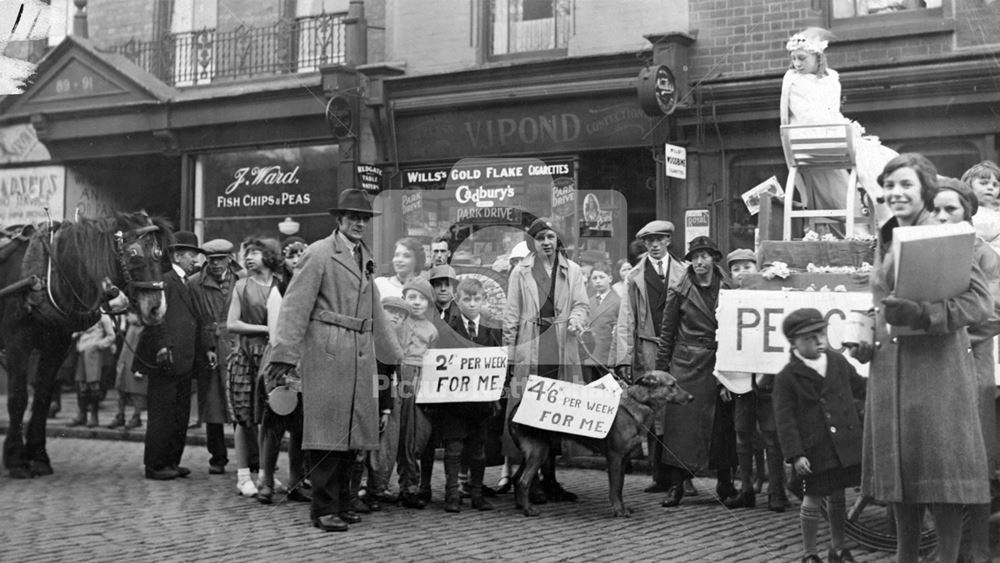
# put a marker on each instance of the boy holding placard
(464, 425)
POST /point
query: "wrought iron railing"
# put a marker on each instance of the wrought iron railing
(207, 55)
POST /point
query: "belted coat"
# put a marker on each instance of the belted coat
(332, 325)
(922, 437)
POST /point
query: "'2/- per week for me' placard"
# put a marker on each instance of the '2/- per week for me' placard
(462, 375)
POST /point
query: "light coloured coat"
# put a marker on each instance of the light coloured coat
(337, 365)
(635, 339)
(922, 437)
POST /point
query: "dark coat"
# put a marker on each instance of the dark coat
(687, 350)
(212, 303)
(816, 415)
(459, 419)
(180, 332)
(337, 363)
(921, 415)
(601, 321)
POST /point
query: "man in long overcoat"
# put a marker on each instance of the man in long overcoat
(212, 289)
(330, 326)
(637, 332)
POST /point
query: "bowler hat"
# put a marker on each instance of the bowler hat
(802, 321)
(658, 227)
(218, 247)
(703, 243)
(353, 201)
(442, 272)
(185, 240)
(740, 255)
(541, 224)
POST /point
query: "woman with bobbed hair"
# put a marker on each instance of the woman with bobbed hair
(408, 261)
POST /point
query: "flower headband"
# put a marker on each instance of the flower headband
(810, 44)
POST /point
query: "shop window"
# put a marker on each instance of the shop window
(518, 27)
(320, 39)
(856, 20)
(193, 29)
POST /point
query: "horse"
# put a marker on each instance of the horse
(77, 268)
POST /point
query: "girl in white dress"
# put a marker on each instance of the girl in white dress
(810, 95)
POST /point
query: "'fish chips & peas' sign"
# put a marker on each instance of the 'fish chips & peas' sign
(462, 375)
(750, 336)
(562, 406)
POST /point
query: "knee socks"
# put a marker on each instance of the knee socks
(837, 510)
(809, 516)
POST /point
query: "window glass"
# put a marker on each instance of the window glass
(524, 26)
(856, 8)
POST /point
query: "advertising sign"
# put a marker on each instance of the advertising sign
(696, 224)
(370, 178)
(675, 162)
(462, 375)
(26, 193)
(567, 407)
(750, 337)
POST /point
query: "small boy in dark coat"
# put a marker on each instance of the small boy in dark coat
(464, 425)
(818, 427)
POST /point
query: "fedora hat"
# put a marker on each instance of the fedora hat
(186, 240)
(353, 201)
(442, 272)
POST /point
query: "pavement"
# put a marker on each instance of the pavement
(98, 507)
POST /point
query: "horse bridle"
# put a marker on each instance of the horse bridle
(133, 236)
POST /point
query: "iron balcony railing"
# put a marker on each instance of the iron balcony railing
(206, 56)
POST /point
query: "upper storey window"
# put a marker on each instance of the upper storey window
(529, 26)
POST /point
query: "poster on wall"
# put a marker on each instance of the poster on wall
(696, 224)
(32, 195)
(250, 192)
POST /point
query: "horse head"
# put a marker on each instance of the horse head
(141, 242)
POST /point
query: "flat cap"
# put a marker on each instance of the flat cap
(740, 254)
(658, 227)
(218, 247)
(802, 321)
(393, 302)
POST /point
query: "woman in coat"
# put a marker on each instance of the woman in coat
(692, 437)
(547, 307)
(923, 444)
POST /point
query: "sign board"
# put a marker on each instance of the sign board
(696, 224)
(750, 337)
(370, 178)
(751, 197)
(19, 143)
(26, 193)
(675, 163)
(656, 89)
(462, 375)
(561, 406)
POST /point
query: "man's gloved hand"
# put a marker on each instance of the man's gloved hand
(904, 312)
(862, 351)
(624, 373)
(164, 358)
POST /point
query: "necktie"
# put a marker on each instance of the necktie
(472, 329)
(659, 268)
(357, 256)
(600, 298)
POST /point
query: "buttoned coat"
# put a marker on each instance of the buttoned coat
(212, 303)
(816, 415)
(179, 332)
(601, 323)
(922, 438)
(635, 339)
(687, 350)
(337, 364)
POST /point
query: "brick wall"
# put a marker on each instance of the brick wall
(613, 27)
(112, 22)
(432, 36)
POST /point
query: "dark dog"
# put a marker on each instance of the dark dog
(633, 419)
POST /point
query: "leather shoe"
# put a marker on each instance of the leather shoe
(556, 493)
(265, 494)
(424, 495)
(777, 504)
(479, 503)
(453, 505)
(410, 500)
(297, 495)
(216, 469)
(674, 496)
(358, 506)
(489, 491)
(350, 517)
(656, 488)
(746, 499)
(164, 474)
(182, 471)
(373, 503)
(330, 523)
(689, 489)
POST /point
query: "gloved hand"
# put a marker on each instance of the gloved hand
(164, 358)
(904, 312)
(624, 373)
(862, 351)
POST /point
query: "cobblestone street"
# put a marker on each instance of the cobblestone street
(98, 507)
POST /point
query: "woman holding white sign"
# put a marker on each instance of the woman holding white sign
(691, 439)
(918, 420)
(547, 304)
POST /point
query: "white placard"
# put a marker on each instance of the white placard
(462, 375)
(751, 197)
(561, 406)
(750, 336)
(25, 194)
(608, 383)
(675, 163)
(697, 223)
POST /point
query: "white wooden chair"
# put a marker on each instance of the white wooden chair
(819, 146)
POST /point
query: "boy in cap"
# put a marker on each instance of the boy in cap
(818, 427)
(417, 334)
